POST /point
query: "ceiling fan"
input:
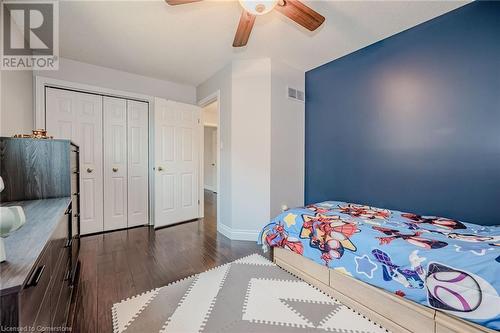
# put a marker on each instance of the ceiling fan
(293, 9)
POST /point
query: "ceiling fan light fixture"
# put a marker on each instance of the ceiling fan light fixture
(258, 7)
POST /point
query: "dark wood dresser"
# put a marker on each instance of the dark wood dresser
(37, 280)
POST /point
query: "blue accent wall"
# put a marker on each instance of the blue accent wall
(412, 122)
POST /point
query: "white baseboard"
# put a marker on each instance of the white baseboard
(238, 234)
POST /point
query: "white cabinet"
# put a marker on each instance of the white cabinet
(113, 137)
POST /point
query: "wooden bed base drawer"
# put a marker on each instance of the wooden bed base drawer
(281, 259)
(414, 317)
(449, 324)
(395, 313)
(315, 271)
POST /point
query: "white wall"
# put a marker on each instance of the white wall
(245, 116)
(263, 166)
(75, 71)
(287, 138)
(222, 82)
(16, 100)
(251, 150)
(16, 114)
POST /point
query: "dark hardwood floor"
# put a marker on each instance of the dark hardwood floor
(121, 264)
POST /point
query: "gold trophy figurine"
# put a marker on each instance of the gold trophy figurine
(37, 134)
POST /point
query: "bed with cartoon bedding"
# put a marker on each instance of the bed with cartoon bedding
(441, 263)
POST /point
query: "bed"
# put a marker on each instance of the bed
(408, 272)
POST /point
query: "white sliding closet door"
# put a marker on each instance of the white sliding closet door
(115, 163)
(137, 120)
(78, 117)
(177, 142)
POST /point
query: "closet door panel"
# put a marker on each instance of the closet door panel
(89, 119)
(61, 114)
(78, 117)
(137, 123)
(115, 163)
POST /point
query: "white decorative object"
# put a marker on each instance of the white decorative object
(11, 219)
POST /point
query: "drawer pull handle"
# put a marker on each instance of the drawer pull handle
(69, 242)
(37, 275)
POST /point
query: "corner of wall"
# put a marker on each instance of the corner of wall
(221, 81)
(266, 134)
(287, 151)
(251, 137)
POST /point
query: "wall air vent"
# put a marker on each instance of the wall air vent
(296, 94)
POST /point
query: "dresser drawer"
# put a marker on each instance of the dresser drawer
(30, 298)
(64, 297)
(58, 279)
(43, 319)
(75, 200)
(74, 182)
(59, 240)
(75, 225)
(39, 286)
(75, 250)
(74, 159)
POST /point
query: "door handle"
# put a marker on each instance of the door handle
(89, 170)
(115, 169)
(160, 168)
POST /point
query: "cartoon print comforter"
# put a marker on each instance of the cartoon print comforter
(438, 262)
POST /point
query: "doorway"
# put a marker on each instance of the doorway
(210, 158)
(210, 165)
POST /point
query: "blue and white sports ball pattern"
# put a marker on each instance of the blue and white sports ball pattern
(455, 290)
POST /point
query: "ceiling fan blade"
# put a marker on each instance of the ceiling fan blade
(179, 2)
(244, 29)
(300, 13)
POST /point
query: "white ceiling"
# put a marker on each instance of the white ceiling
(189, 43)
